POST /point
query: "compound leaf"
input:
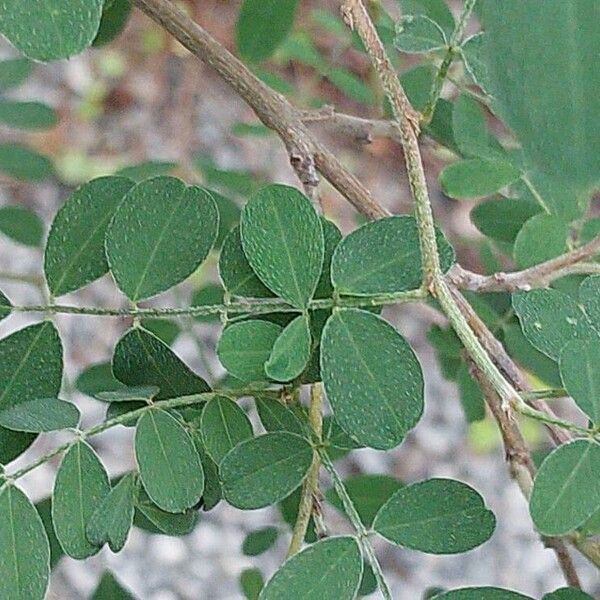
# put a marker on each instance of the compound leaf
(21, 225)
(282, 237)
(383, 257)
(437, 516)
(24, 548)
(330, 569)
(159, 235)
(113, 518)
(81, 485)
(566, 490)
(141, 359)
(40, 415)
(169, 464)
(264, 470)
(223, 426)
(372, 377)
(245, 347)
(74, 253)
(48, 30)
(291, 351)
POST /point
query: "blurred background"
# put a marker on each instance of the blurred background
(142, 105)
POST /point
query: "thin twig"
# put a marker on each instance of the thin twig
(310, 488)
(522, 467)
(304, 150)
(363, 534)
(255, 306)
(540, 275)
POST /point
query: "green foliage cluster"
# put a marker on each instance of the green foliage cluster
(301, 305)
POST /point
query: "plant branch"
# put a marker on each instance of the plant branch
(306, 153)
(255, 306)
(109, 424)
(451, 52)
(356, 16)
(363, 534)
(522, 468)
(310, 488)
(537, 276)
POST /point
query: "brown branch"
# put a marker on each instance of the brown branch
(307, 154)
(537, 276)
(356, 16)
(522, 468)
(361, 129)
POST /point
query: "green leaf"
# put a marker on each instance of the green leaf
(5, 306)
(14, 71)
(471, 131)
(259, 541)
(291, 351)
(581, 376)
(223, 426)
(113, 518)
(332, 236)
(264, 470)
(481, 593)
(161, 521)
(566, 491)
(262, 25)
(24, 548)
(141, 359)
(21, 225)
(109, 588)
(81, 485)
(40, 415)
(13, 444)
(245, 347)
(589, 294)
(471, 397)
(283, 240)
(567, 594)
(251, 582)
(236, 273)
(115, 15)
(379, 397)
(74, 253)
(354, 87)
(97, 378)
(142, 393)
(502, 218)
(550, 319)
(44, 509)
(418, 34)
(368, 494)
(473, 53)
(436, 10)
(31, 367)
(551, 229)
(169, 464)
(165, 330)
(477, 177)
(159, 235)
(24, 164)
(147, 169)
(331, 569)
(50, 29)
(437, 516)
(276, 417)
(212, 484)
(383, 256)
(522, 67)
(27, 115)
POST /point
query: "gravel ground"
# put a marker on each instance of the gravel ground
(147, 113)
